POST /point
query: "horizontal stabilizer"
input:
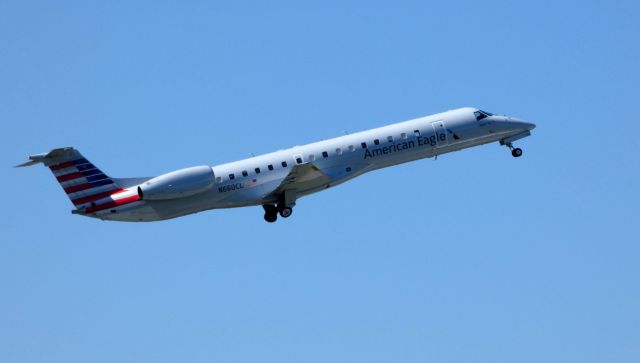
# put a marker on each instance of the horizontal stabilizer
(28, 163)
(63, 153)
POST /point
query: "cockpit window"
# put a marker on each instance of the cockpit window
(481, 114)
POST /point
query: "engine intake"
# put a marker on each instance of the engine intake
(177, 184)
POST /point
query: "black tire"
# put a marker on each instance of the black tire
(286, 212)
(270, 213)
(517, 152)
(270, 217)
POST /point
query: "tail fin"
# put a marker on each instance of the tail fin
(83, 182)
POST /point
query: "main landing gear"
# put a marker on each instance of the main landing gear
(271, 212)
(515, 152)
(284, 207)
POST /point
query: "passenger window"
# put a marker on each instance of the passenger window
(403, 135)
(244, 173)
(416, 132)
(325, 154)
(351, 148)
(257, 170)
(348, 169)
(299, 160)
(218, 179)
(390, 138)
(339, 151)
(376, 141)
(231, 176)
(270, 167)
(284, 164)
(364, 145)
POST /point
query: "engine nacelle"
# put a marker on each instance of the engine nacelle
(177, 184)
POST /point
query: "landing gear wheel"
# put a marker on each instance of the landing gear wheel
(270, 217)
(270, 213)
(517, 152)
(286, 212)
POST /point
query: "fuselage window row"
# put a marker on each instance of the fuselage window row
(325, 155)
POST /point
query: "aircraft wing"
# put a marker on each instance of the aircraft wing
(303, 177)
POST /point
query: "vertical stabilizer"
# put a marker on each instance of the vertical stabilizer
(83, 182)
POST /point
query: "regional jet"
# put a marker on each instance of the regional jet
(276, 180)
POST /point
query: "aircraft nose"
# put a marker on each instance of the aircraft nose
(522, 124)
(528, 125)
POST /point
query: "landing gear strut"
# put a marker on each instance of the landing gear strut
(515, 152)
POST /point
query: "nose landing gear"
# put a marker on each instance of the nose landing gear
(515, 152)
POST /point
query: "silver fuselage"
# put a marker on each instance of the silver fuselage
(341, 158)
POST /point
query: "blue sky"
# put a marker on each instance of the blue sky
(475, 257)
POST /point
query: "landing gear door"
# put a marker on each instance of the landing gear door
(441, 133)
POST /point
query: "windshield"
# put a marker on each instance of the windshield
(481, 114)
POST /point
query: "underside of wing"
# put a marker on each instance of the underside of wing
(302, 178)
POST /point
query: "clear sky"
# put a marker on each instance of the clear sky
(475, 257)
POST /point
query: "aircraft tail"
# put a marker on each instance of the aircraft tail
(83, 182)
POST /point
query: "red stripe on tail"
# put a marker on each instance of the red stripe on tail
(77, 188)
(94, 197)
(70, 176)
(68, 164)
(115, 203)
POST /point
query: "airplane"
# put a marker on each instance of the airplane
(276, 180)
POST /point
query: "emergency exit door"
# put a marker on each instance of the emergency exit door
(442, 136)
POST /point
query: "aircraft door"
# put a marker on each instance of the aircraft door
(441, 133)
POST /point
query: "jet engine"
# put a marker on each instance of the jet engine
(177, 184)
